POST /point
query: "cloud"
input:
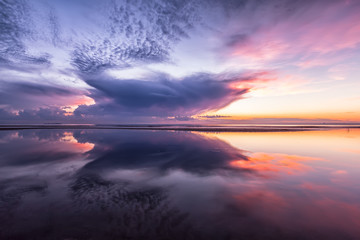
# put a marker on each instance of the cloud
(102, 35)
(214, 116)
(156, 97)
(41, 115)
(38, 89)
(29, 95)
(284, 31)
(15, 24)
(12, 22)
(136, 32)
(161, 95)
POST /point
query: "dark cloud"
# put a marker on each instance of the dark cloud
(183, 118)
(40, 115)
(214, 116)
(6, 115)
(161, 95)
(36, 89)
(30, 95)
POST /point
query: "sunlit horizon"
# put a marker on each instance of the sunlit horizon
(196, 61)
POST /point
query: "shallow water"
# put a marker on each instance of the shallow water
(133, 184)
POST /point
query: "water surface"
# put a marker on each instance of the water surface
(137, 184)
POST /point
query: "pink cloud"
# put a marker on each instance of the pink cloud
(303, 38)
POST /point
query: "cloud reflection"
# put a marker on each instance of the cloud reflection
(161, 151)
(126, 184)
(275, 162)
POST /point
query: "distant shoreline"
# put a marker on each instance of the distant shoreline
(198, 128)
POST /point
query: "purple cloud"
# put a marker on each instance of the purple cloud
(160, 95)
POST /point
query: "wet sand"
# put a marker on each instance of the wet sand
(133, 184)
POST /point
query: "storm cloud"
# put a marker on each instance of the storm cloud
(161, 95)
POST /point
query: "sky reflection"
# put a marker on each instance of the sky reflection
(58, 184)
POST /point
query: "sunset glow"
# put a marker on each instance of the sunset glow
(231, 61)
(275, 162)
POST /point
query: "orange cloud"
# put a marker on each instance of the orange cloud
(275, 162)
(75, 145)
(82, 100)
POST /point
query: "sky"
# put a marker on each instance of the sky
(179, 61)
